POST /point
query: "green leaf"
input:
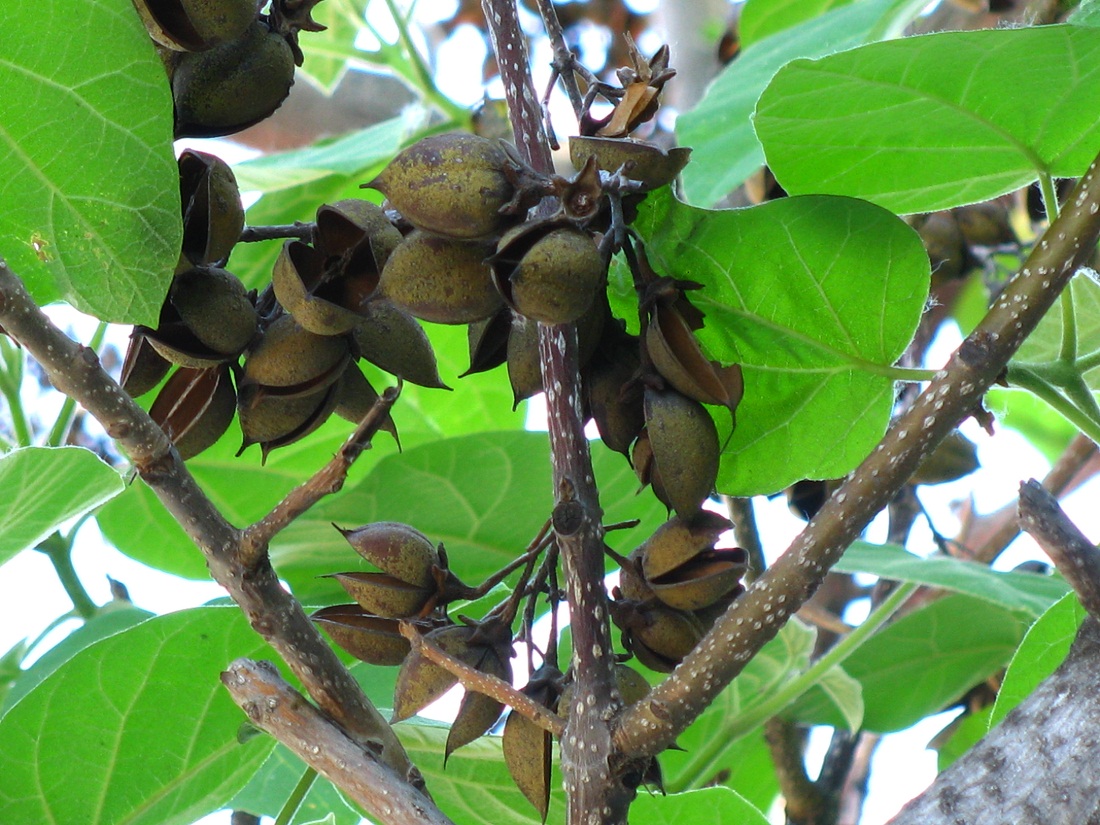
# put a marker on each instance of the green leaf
(746, 767)
(112, 738)
(268, 790)
(815, 297)
(86, 154)
(1044, 345)
(763, 18)
(936, 121)
(476, 787)
(966, 731)
(46, 487)
(715, 806)
(484, 496)
(713, 741)
(1040, 653)
(1032, 418)
(926, 660)
(112, 619)
(1086, 14)
(1029, 594)
(351, 155)
(725, 150)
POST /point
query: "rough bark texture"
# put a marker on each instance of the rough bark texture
(1039, 766)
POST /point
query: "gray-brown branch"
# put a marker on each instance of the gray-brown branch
(595, 792)
(277, 708)
(1074, 555)
(953, 394)
(75, 371)
(1038, 767)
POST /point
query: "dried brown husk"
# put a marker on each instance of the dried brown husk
(478, 712)
(372, 639)
(195, 25)
(316, 298)
(528, 749)
(213, 215)
(614, 398)
(232, 86)
(142, 367)
(195, 407)
(488, 342)
(677, 356)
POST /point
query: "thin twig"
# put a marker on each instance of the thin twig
(75, 371)
(804, 801)
(299, 230)
(953, 394)
(1076, 558)
(491, 686)
(746, 535)
(326, 481)
(277, 708)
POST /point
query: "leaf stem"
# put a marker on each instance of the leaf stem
(11, 380)
(1027, 379)
(59, 432)
(756, 715)
(297, 796)
(59, 550)
(1050, 195)
(1067, 352)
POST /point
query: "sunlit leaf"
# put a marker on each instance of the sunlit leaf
(45, 487)
(815, 297)
(763, 18)
(725, 150)
(931, 122)
(93, 191)
(111, 737)
(1040, 653)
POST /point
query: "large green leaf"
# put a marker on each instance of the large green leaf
(1032, 418)
(113, 619)
(1040, 653)
(925, 660)
(476, 787)
(351, 155)
(134, 729)
(715, 806)
(763, 18)
(1044, 345)
(725, 150)
(86, 159)
(45, 487)
(485, 496)
(1028, 594)
(815, 297)
(932, 122)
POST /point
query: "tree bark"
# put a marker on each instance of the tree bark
(1039, 766)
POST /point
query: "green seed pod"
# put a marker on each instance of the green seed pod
(213, 215)
(214, 305)
(195, 25)
(275, 421)
(397, 549)
(664, 637)
(685, 449)
(652, 166)
(441, 280)
(232, 86)
(454, 184)
(955, 457)
(394, 341)
(385, 595)
(289, 361)
(318, 304)
(478, 712)
(355, 397)
(548, 272)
